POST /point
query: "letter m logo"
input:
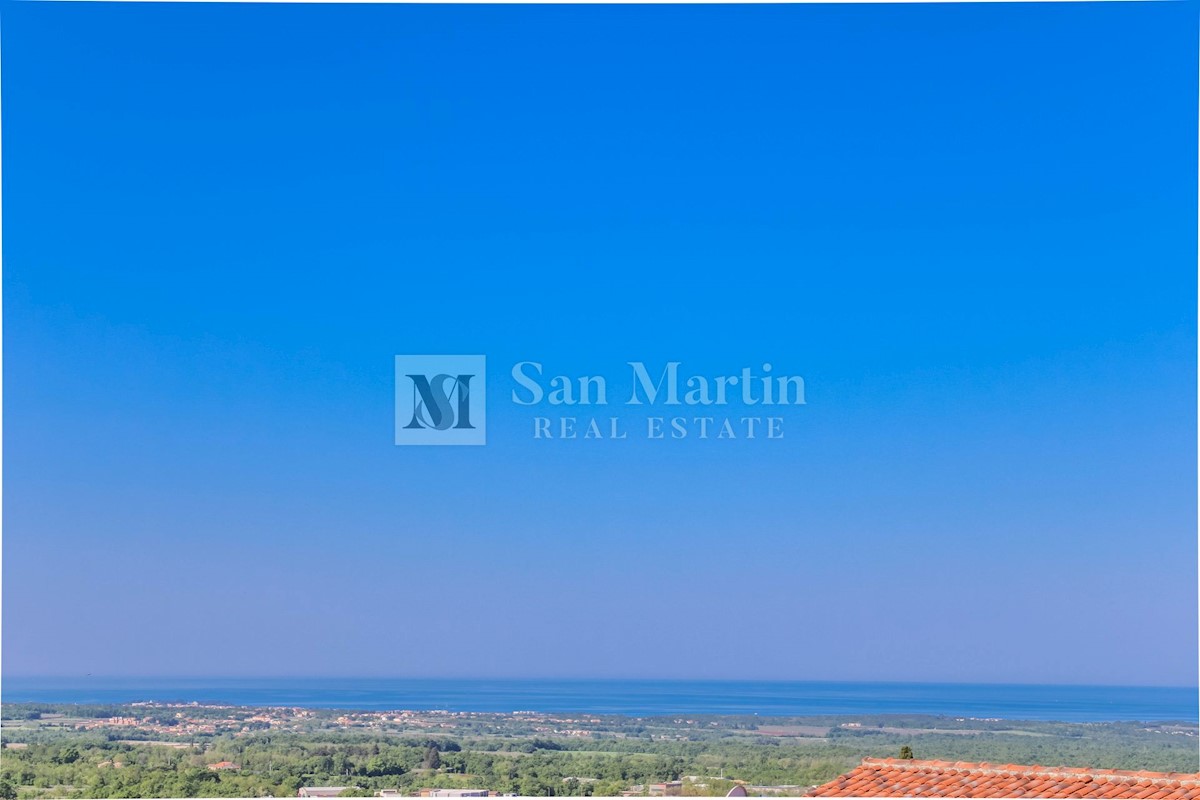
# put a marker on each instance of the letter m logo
(440, 400)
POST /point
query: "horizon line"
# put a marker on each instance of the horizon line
(585, 679)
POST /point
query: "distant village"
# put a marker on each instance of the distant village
(194, 719)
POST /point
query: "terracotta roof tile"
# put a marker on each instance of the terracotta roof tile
(895, 777)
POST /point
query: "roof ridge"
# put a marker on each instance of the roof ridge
(1122, 776)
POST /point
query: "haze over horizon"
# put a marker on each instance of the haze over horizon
(282, 678)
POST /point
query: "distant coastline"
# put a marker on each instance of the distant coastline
(634, 697)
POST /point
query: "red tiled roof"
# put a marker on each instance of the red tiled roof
(898, 777)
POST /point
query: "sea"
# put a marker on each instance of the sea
(634, 697)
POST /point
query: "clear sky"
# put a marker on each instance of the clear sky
(971, 229)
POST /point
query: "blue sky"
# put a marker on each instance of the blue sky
(972, 230)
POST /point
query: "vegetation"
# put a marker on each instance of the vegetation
(53, 752)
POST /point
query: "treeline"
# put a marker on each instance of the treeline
(278, 765)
